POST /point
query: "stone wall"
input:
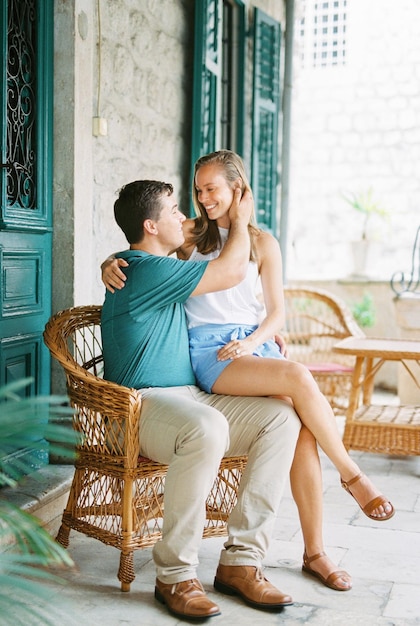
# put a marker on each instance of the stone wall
(146, 94)
(129, 64)
(357, 127)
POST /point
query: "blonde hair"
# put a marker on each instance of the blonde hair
(205, 233)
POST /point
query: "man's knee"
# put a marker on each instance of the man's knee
(287, 421)
(209, 430)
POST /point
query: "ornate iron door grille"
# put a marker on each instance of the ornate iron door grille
(21, 114)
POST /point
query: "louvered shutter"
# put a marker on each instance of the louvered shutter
(266, 107)
(207, 77)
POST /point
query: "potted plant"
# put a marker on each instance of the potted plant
(369, 209)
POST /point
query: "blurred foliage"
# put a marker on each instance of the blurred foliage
(28, 552)
(364, 203)
(364, 311)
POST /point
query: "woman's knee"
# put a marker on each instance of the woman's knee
(306, 452)
(303, 378)
(306, 440)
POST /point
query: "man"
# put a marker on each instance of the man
(145, 345)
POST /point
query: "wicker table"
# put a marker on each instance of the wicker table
(384, 429)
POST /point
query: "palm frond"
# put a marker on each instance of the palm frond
(28, 551)
(31, 422)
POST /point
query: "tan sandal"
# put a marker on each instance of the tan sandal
(330, 581)
(373, 504)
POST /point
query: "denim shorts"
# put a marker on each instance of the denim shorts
(205, 342)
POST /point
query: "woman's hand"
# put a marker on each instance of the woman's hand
(242, 347)
(112, 275)
(235, 349)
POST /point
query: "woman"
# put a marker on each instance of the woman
(227, 359)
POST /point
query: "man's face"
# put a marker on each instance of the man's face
(169, 224)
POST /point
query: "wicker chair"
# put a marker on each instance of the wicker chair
(315, 321)
(116, 495)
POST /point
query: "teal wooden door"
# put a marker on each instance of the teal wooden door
(26, 31)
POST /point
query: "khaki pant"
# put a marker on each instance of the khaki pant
(191, 431)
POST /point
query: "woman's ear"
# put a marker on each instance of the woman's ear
(239, 183)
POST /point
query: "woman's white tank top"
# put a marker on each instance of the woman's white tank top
(237, 305)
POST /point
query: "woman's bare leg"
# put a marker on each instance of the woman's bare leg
(256, 376)
(306, 484)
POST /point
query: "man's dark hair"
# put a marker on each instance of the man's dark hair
(137, 202)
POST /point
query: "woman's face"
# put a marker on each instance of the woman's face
(214, 193)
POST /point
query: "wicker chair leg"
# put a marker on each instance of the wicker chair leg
(63, 535)
(126, 570)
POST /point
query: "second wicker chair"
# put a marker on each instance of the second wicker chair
(315, 321)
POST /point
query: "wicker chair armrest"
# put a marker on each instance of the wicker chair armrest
(107, 414)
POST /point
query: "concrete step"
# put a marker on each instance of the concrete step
(43, 494)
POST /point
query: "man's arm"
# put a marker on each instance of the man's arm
(230, 267)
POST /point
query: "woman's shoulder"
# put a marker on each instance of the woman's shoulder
(265, 241)
(267, 250)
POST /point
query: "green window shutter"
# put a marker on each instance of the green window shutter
(234, 49)
(207, 77)
(266, 108)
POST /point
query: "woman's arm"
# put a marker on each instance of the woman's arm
(184, 251)
(270, 269)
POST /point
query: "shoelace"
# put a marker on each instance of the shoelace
(259, 574)
(192, 583)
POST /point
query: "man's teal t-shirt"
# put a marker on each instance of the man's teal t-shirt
(144, 329)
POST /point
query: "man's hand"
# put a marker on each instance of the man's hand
(112, 276)
(242, 206)
(282, 345)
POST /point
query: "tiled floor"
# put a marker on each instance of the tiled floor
(383, 558)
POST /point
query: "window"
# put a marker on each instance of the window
(323, 33)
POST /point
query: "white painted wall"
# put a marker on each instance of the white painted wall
(356, 127)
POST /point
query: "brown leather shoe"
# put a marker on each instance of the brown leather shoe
(186, 599)
(250, 583)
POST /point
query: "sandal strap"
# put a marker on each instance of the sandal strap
(373, 504)
(335, 575)
(347, 483)
(309, 559)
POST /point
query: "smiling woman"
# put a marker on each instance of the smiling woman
(232, 334)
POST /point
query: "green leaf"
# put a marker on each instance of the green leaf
(31, 422)
(364, 311)
(28, 551)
